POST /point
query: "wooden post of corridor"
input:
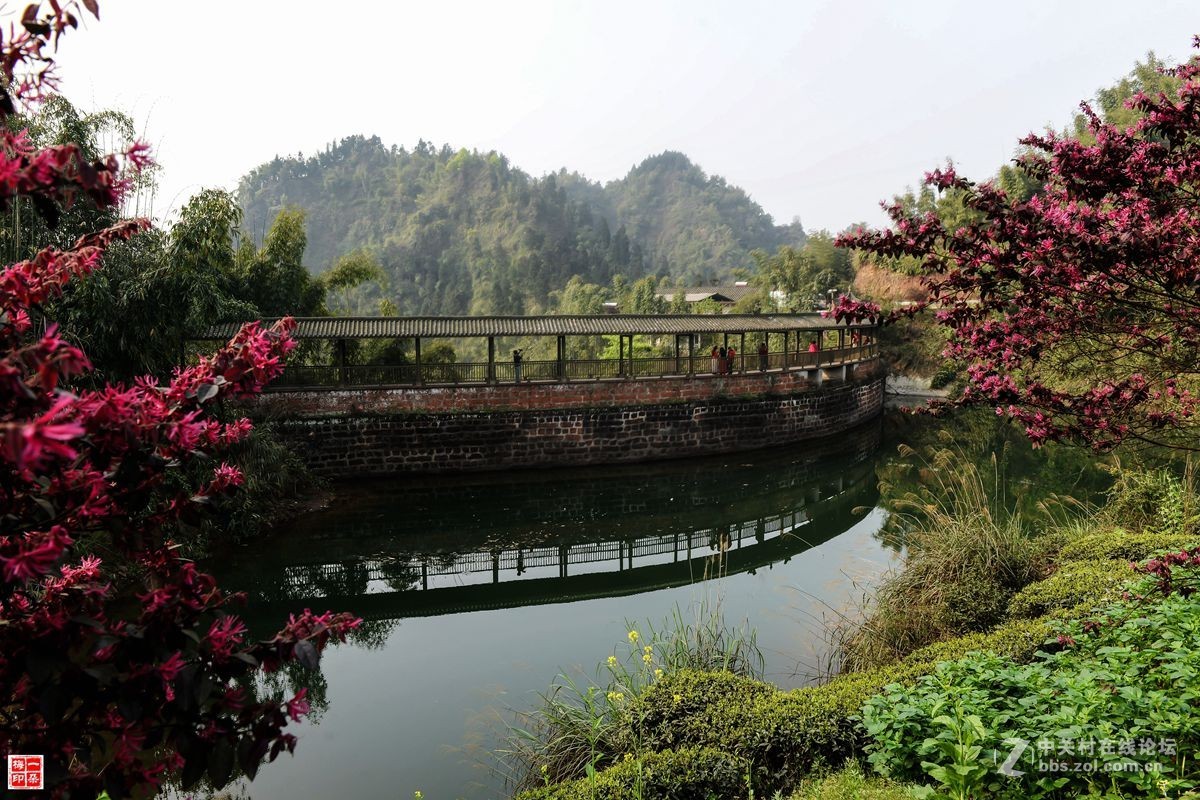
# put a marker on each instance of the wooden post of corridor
(343, 378)
(562, 355)
(491, 372)
(417, 357)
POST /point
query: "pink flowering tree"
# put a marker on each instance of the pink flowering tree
(1075, 312)
(120, 661)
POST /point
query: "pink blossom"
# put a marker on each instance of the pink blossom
(298, 707)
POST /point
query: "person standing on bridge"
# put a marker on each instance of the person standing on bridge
(517, 366)
(762, 356)
(715, 357)
(722, 362)
(730, 360)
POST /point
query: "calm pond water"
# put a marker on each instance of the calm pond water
(478, 590)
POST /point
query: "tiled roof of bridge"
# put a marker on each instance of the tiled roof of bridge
(580, 325)
(722, 294)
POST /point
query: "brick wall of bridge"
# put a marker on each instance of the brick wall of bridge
(377, 432)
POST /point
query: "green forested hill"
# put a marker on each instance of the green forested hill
(697, 226)
(461, 232)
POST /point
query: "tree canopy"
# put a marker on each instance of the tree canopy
(461, 232)
(1076, 310)
(121, 663)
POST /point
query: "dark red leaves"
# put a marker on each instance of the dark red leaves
(1075, 312)
(125, 670)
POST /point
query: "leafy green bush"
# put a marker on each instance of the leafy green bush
(785, 735)
(685, 774)
(582, 726)
(1131, 675)
(1018, 639)
(1155, 501)
(943, 377)
(1075, 583)
(850, 783)
(1116, 543)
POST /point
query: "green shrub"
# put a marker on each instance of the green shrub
(850, 783)
(784, 736)
(1152, 502)
(586, 725)
(1117, 543)
(943, 377)
(684, 774)
(1131, 677)
(966, 556)
(1075, 583)
(1018, 639)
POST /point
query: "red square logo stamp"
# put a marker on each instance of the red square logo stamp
(25, 772)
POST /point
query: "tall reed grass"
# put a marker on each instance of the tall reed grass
(967, 552)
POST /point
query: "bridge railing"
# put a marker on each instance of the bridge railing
(505, 372)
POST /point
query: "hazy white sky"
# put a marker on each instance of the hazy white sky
(817, 109)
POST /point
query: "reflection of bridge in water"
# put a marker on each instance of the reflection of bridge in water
(394, 550)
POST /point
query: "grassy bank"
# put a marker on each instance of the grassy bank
(994, 630)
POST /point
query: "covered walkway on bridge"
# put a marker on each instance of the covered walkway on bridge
(762, 343)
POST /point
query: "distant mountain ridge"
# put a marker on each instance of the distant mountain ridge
(463, 232)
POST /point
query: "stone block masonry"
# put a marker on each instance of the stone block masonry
(379, 432)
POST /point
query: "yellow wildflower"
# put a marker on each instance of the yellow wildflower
(417, 795)
(678, 698)
(629, 756)
(612, 661)
(647, 658)
(615, 697)
(633, 637)
(658, 673)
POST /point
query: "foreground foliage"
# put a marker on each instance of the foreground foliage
(785, 738)
(582, 726)
(1101, 263)
(1114, 710)
(120, 661)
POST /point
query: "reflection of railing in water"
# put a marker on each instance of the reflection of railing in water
(520, 560)
(453, 545)
(662, 498)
